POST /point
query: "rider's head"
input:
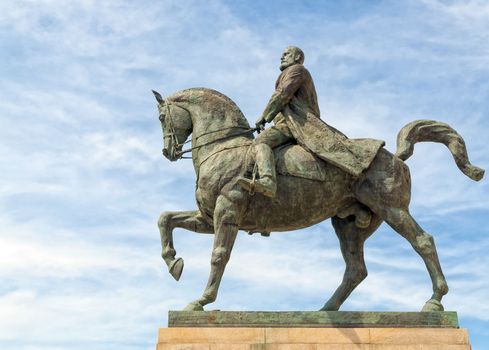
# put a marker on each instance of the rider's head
(292, 55)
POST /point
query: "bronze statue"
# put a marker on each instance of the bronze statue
(359, 185)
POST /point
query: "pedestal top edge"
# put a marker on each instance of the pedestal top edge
(313, 319)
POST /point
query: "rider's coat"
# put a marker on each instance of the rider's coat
(295, 96)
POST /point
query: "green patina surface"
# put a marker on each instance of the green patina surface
(304, 319)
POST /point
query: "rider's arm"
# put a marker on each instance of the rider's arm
(289, 84)
(274, 106)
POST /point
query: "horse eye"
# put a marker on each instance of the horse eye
(162, 117)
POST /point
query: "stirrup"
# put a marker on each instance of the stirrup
(248, 185)
(254, 186)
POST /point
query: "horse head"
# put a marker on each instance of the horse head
(207, 114)
(176, 124)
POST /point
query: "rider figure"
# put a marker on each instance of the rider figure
(294, 90)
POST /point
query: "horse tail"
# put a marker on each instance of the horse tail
(433, 131)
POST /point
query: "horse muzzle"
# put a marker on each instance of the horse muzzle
(172, 155)
(165, 153)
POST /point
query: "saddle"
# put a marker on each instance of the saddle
(294, 160)
(291, 160)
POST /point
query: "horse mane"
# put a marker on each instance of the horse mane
(210, 100)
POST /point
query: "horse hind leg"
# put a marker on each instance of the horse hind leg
(190, 220)
(399, 218)
(423, 243)
(352, 239)
(386, 191)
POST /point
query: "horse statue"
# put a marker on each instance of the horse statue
(309, 191)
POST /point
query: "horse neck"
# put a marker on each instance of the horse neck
(213, 131)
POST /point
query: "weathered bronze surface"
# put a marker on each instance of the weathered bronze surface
(308, 319)
(316, 173)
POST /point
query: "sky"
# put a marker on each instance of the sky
(83, 181)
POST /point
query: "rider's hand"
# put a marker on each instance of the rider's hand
(260, 123)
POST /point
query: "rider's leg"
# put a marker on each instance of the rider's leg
(265, 162)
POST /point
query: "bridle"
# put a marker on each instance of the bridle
(172, 133)
(176, 145)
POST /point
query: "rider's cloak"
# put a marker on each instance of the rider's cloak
(301, 116)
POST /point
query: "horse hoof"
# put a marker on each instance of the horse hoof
(329, 307)
(194, 306)
(432, 305)
(176, 268)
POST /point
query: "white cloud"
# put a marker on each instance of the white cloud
(83, 179)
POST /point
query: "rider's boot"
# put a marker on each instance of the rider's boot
(267, 183)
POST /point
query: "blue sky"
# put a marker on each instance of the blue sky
(82, 179)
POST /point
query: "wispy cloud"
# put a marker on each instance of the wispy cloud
(83, 180)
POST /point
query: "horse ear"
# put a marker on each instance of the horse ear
(158, 97)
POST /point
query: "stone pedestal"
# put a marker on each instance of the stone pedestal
(312, 339)
(312, 331)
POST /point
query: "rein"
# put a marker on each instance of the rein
(176, 144)
(247, 131)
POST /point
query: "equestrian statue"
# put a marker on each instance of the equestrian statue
(295, 174)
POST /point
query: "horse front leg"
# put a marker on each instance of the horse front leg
(190, 220)
(226, 216)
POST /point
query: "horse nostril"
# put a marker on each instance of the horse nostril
(165, 152)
